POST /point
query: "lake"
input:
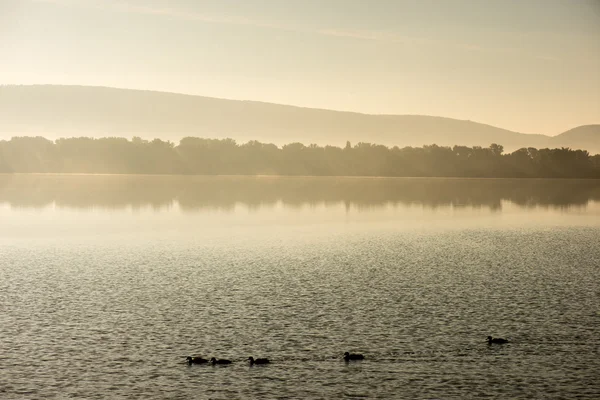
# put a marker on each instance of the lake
(107, 283)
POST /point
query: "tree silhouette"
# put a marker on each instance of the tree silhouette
(224, 156)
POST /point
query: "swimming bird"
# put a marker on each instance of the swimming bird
(353, 357)
(258, 360)
(196, 360)
(492, 340)
(221, 361)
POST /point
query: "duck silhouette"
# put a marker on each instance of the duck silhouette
(492, 340)
(353, 357)
(214, 361)
(196, 360)
(258, 360)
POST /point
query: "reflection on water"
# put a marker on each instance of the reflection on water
(109, 282)
(223, 193)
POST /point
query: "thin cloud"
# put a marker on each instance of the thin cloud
(376, 36)
(126, 7)
(367, 35)
(408, 40)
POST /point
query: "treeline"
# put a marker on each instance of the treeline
(226, 157)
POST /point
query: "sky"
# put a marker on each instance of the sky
(529, 66)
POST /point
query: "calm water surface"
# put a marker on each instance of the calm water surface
(108, 282)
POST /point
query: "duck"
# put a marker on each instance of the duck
(353, 357)
(221, 361)
(258, 360)
(492, 340)
(196, 360)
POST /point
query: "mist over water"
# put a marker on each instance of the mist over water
(108, 282)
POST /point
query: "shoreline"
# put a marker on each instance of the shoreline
(365, 177)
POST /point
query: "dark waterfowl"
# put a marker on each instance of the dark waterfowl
(196, 360)
(492, 340)
(353, 357)
(258, 361)
(214, 361)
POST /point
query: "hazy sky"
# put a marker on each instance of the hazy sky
(531, 66)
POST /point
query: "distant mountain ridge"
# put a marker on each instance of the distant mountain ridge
(55, 111)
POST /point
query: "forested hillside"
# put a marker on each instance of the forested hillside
(72, 111)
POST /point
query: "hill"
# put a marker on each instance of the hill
(66, 111)
(582, 137)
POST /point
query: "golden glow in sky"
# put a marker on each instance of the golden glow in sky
(530, 66)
